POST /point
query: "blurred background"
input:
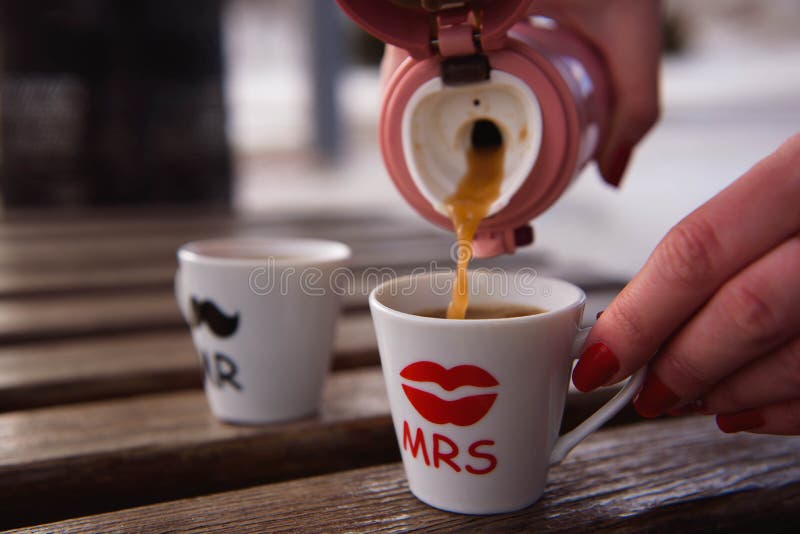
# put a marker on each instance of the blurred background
(271, 106)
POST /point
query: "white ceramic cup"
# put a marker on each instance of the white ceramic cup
(477, 404)
(262, 314)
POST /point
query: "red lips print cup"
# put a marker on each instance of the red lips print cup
(477, 404)
(465, 411)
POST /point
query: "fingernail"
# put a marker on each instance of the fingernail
(596, 367)
(737, 422)
(614, 166)
(654, 398)
(523, 235)
(599, 314)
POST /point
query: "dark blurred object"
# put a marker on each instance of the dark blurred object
(326, 62)
(675, 33)
(111, 102)
(363, 48)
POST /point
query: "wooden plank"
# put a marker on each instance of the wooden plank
(151, 264)
(87, 457)
(121, 221)
(68, 315)
(158, 273)
(61, 316)
(140, 253)
(22, 282)
(47, 255)
(70, 279)
(76, 316)
(54, 316)
(32, 242)
(68, 371)
(65, 316)
(105, 251)
(132, 362)
(96, 456)
(676, 476)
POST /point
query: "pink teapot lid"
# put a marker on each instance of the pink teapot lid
(410, 26)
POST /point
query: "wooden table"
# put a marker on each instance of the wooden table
(104, 425)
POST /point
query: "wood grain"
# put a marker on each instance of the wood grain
(92, 253)
(87, 316)
(65, 316)
(152, 266)
(27, 282)
(142, 249)
(156, 269)
(123, 221)
(96, 456)
(55, 317)
(67, 460)
(107, 252)
(86, 313)
(79, 348)
(91, 368)
(677, 476)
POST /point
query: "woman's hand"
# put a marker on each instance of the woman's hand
(715, 311)
(628, 35)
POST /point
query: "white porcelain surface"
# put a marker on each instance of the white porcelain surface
(273, 366)
(526, 363)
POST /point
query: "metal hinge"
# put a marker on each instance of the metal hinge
(455, 26)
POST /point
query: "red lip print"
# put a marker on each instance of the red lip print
(465, 411)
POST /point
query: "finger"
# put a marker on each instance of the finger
(771, 379)
(751, 314)
(782, 419)
(750, 217)
(392, 57)
(628, 35)
(633, 58)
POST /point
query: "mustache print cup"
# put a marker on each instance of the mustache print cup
(477, 404)
(262, 314)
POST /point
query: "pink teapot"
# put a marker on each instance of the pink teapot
(486, 68)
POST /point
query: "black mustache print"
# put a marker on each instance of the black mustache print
(205, 311)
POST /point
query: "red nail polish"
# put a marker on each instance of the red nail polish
(654, 398)
(737, 422)
(599, 314)
(596, 367)
(615, 166)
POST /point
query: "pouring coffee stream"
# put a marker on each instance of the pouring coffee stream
(476, 192)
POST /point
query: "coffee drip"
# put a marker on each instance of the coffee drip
(477, 190)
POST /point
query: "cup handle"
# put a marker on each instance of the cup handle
(568, 441)
(180, 296)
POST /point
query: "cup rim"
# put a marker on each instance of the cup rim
(304, 251)
(375, 304)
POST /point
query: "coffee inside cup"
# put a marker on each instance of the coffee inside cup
(490, 310)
